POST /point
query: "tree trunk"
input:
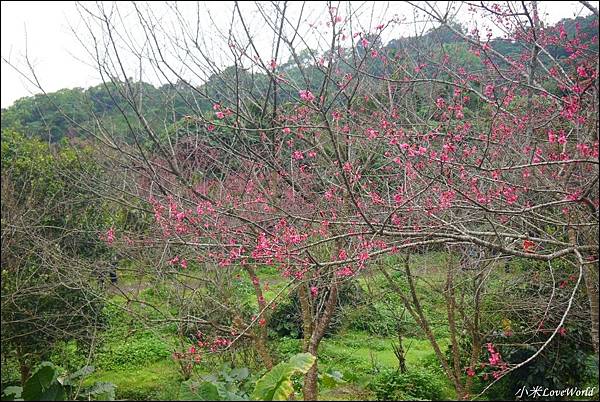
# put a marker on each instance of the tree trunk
(260, 339)
(24, 367)
(400, 354)
(310, 388)
(311, 385)
(306, 311)
(25, 372)
(590, 277)
(450, 307)
(415, 310)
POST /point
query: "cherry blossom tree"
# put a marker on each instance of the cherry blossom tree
(480, 135)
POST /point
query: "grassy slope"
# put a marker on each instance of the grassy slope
(357, 354)
(354, 353)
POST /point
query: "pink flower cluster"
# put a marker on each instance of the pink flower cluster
(306, 95)
(221, 114)
(496, 361)
(181, 261)
(108, 237)
(345, 272)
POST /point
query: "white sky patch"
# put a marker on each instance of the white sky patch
(48, 33)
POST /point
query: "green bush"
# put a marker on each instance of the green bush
(286, 320)
(391, 385)
(155, 381)
(69, 355)
(431, 362)
(563, 363)
(376, 324)
(278, 384)
(375, 319)
(140, 393)
(51, 383)
(134, 352)
(287, 347)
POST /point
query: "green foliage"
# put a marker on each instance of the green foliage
(276, 385)
(45, 384)
(391, 385)
(286, 320)
(331, 378)
(45, 261)
(47, 116)
(136, 351)
(153, 381)
(69, 113)
(287, 347)
(564, 363)
(69, 355)
(101, 391)
(228, 384)
(204, 391)
(374, 318)
(232, 384)
(12, 393)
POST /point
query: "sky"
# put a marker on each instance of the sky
(49, 33)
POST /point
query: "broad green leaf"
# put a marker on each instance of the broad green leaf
(82, 372)
(332, 379)
(276, 385)
(56, 392)
(240, 373)
(210, 378)
(185, 393)
(102, 391)
(39, 387)
(226, 394)
(193, 391)
(302, 362)
(12, 393)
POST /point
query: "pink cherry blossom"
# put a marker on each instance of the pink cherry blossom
(306, 95)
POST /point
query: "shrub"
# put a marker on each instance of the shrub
(136, 351)
(286, 320)
(379, 319)
(372, 318)
(392, 385)
(50, 383)
(69, 355)
(287, 347)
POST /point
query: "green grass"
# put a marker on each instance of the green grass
(155, 381)
(359, 356)
(137, 358)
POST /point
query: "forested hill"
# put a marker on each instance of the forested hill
(72, 112)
